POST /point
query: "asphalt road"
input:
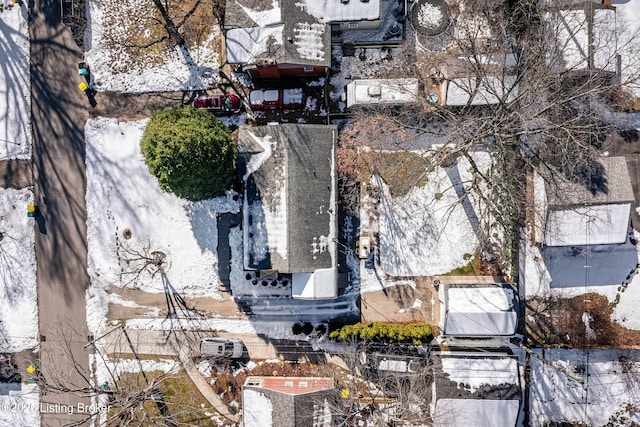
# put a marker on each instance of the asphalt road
(59, 111)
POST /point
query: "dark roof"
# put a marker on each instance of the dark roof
(236, 17)
(445, 388)
(300, 168)
(299, 26)
(612, 185)
(292, 410)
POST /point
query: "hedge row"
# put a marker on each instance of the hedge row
(390, 333)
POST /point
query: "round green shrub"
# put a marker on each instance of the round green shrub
(190, 152)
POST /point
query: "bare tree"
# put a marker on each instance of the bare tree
(386, 387)
(126, 396)
(158, 27)
(518, 89)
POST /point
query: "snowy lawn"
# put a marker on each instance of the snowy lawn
(122, 195)
(15, 85)
(607, 396)
(432, 229)
(119, 64)
(18, 292)
(19, 404)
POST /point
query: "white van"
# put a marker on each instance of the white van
(221, 347)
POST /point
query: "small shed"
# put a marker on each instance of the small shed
(478, 310)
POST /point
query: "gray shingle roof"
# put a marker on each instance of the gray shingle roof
(302, 35)
(614, 186)
(300, 168)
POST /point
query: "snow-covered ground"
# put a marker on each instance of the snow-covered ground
(18, 293)
(431, 230)
(19, 405)
(609, 395)
(114, 68)
(15, 84)
(121, 195)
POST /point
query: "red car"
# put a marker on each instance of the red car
(262, 99)
(228, 103)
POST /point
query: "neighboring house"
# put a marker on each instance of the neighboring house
(287, 401)
(273, 39)
(290, 204)
(374, 92)
(476, 390)
(582, 37)
(478, 310)
(580, 226)
(571, 214)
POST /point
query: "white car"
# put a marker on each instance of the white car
(221, 347)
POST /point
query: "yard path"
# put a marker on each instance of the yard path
(136, 106)
(59, 112)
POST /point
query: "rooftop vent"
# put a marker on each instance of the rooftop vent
(374, 91)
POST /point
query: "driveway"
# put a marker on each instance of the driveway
(59, 111)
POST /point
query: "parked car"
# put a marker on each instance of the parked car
(263, 99)
(221, 347)
(228, 103)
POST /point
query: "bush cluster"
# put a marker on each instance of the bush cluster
(190, 152)
(389, 333)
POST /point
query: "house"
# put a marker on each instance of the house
(364, 92)
(287, 401)
(274, 39)
(476, 390)
(579, 225)
(290, 204)
(582, 37)
(477, 310)
(271, 39)
(572, 214)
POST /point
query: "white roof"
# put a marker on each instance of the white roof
(336, 11)
(476, 413)
(480, 311)
(475, 372)
(605, 39)
(489, 90)
(382, 91)
(315, 285)
(244, 45)
(590, 225)
(570, 39)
